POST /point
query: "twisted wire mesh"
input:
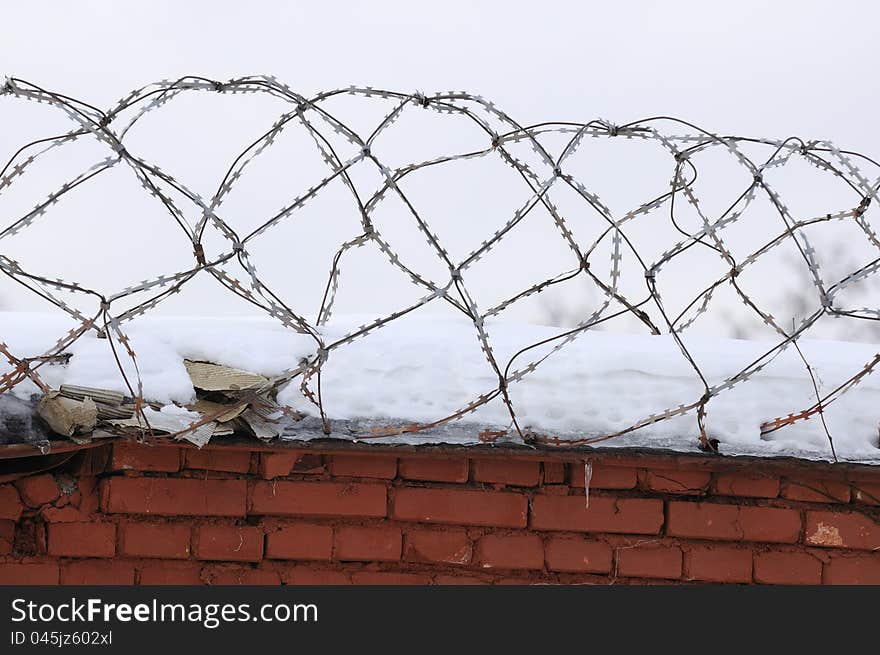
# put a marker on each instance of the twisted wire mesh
(540, 179)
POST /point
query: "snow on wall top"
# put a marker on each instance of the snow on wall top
(419, 369)
(666, 251)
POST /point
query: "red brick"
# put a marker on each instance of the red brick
(649, 561)
(733, 522)
(66, 514)
(319, 499)
(816, 491)
(554, 473)
(718, 563)
(389, 578)
(578, 555)
(300, 541)
(630, 515)
(162, 540)
(704, 521)
(604, 477)
(36, 490)
(170, 573)
(232, 543)
(277, 465)
(842, 530)
(303, 575)
(851, 569)
(515, 472)
(31, 573)
(141, 457)
(554, 490)
(363, 466)
(7, 536)
(770, 524)
(175, 496)
(356, 543)
(82, 539)
(215, 459)
(438, 546)
(309, 463)
(866, 492)
(10, 503)
(86, 498)
(460, 507)
(744, 486)
(240, 575)
(447, 579)
(97, 572)
(520, 551)
(788, 568)
(510, 580)
(691, 483)
(434, 469)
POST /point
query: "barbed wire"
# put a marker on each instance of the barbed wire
(540, 178)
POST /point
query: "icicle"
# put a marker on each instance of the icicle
(588, 475)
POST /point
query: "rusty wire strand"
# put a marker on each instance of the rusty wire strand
(321, 126)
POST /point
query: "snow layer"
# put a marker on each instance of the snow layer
(422, 369)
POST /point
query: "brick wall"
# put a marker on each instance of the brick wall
(154, 514)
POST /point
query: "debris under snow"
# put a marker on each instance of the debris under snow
(215, 373)
(68, 416)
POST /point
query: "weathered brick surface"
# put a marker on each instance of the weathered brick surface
(302, 541)
(439, 546)
(729, 522)
(228, 543)
(745, 486)
(357, 543)
(7, 536)
(578, 555)
(554, 473)
(97, 572)
(277, 465)
(689, 483)
(28, 573)
(233, 461)
(240, 575)
(305, 575)
(10, 502)
(852, 569)
(816, 490)
(521, 551)
(519, 473)
(604, 477)
(319, 499)
(718, 563)
(161, 540)
(174, 496)
(36, 490)
(605, 514)
(788, 568)
(389, 578)
(82, 539)
(177, 515)
(132, 456)
(843, 530)
(460, 507)
(434, 469)
(363, 466)
(866, 492)
(649, 560)
(168, 573)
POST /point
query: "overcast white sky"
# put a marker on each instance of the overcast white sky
(756, 68)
